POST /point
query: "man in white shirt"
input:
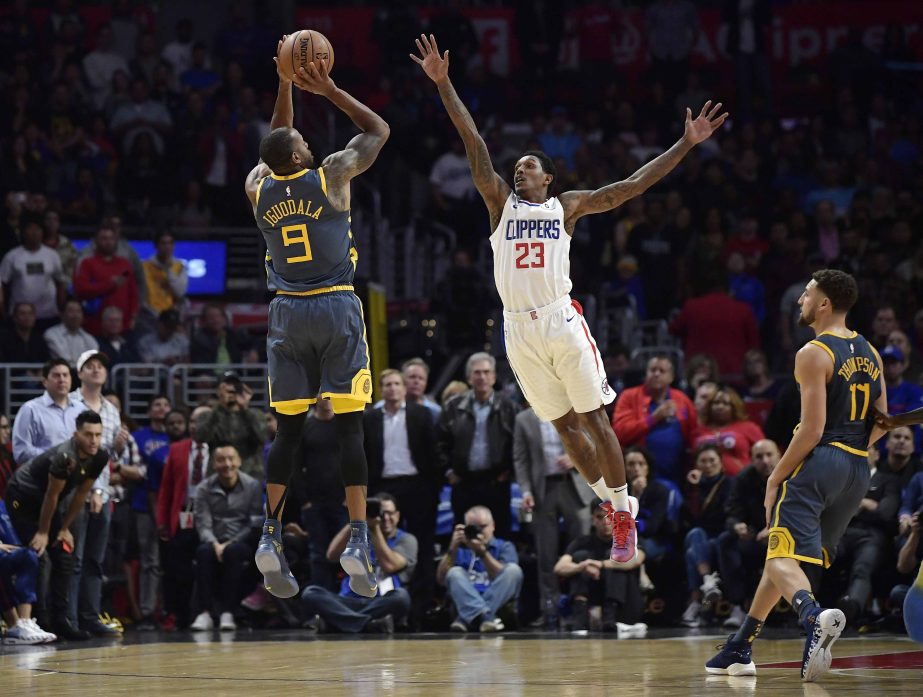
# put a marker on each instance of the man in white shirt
(68, 340)
(34, 274)
(91, 527)
(178, 53)
(400, 445)
(100, 64)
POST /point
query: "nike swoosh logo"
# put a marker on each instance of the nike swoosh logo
(570, 318)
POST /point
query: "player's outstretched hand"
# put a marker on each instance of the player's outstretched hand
(315, 79)
(707, 122)
(435, 66)
(885, 421)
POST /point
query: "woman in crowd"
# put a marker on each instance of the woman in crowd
(706, 495)
(727, 426)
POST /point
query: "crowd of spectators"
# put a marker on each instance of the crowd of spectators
(129, 122)
(165, 518)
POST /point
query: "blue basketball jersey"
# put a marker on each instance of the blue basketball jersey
(309, 244)
(852, 391)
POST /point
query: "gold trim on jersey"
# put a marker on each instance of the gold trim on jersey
(825, 348)
(323, 180)
(286, 177)
(852, 336)
(259, 188)
(315, 291)
(781, 545)
(854, 451)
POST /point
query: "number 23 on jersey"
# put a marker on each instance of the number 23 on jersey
(531, 255)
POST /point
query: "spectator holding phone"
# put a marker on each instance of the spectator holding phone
(394, 556)
(32, 498)
(233, 421)
(480, 571)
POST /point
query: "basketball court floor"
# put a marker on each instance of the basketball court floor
(282, 663)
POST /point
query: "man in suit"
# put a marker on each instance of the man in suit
(551, 489)
(400, 445)
(186, 466)
(475, 439)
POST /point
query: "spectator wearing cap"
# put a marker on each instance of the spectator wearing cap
(168, 344)
(45, 421)
(903, 395)
(233, 421)
(91, 527)
(68, 340)
(165, 278)
(113, 342)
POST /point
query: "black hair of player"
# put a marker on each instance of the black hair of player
(88, 417)
(546, 162)
(839, 286)
(276, 150)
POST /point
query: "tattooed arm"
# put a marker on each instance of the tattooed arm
(489, 184)
(580, 203)
(362, 150)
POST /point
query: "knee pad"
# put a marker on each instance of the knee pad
(354, 468)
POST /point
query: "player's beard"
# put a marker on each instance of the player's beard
(805, 320)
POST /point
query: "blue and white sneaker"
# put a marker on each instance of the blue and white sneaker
(735, 658)
(270, 560)
(356, 562)
(826, 629)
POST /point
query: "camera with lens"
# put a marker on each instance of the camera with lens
(472, 532)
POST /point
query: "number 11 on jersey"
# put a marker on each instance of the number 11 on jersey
(531, 255)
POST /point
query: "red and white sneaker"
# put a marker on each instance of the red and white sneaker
(624, 532)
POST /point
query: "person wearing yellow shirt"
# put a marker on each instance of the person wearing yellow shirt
(165, 277)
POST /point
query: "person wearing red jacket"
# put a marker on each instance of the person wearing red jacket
(106, 280)
(660, 418)
(717, 324)
(186, 466)
(728, 427)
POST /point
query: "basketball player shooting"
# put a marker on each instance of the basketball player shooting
(549, 345)
(316, 340)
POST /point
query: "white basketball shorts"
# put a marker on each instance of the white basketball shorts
(555, 360)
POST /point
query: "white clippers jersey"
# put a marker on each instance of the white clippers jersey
(531, 254)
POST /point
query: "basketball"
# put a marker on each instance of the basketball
(301, 48)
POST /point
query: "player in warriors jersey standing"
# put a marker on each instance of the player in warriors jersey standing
(549, 345)
(316, 344)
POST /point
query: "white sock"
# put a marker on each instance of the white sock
(602, 491)
(619, 498)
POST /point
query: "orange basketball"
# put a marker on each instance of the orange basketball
(301, 48)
